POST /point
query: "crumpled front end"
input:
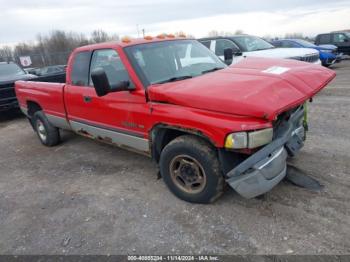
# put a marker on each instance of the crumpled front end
(263, 170)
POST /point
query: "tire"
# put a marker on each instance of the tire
(190, 168)
(48, 134)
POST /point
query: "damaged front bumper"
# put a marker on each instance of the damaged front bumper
(263, 170)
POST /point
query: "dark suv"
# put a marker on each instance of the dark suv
(9, 73)
(339, 39)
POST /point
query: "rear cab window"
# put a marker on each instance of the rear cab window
(80, 69)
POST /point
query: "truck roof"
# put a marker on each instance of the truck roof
(125, 42)
(222, 37)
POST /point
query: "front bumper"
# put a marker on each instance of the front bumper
(330, 59)
(8, 103)
(8, 98)
(263, 170)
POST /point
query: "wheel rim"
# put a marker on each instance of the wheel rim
(187, 174)
(41, 130)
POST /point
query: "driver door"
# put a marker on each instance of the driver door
(108, 118)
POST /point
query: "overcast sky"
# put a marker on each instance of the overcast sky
(23, 20)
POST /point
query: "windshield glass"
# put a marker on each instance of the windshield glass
(252, 43)
(10, 70)
(304, 43)
(348, 35)
(160, 62)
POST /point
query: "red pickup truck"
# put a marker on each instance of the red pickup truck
(205, 123)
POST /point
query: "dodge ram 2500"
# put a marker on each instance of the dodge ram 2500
(205, 124)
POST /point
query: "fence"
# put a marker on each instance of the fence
(41, 60)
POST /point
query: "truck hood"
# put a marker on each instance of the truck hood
(282, 52)
(12, 79)
(254, 87)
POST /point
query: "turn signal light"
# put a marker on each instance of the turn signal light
(126, 39)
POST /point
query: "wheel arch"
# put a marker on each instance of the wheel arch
(33, 107)
(162, 134)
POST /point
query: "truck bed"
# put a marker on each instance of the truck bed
(48, 95)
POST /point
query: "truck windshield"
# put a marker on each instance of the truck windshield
(7, 71)
(170, 61)
(249, 43)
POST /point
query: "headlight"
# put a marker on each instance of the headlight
(327, 51)
(252, 139)
(237, 140)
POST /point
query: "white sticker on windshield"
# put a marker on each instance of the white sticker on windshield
(276, 70)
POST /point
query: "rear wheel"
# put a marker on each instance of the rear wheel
(191, 170)
(48, 134)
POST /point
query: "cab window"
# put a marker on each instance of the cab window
(110, 61)
(339, 38)
(80, 69)
(206, 44)
(222, 44)
(325, 39)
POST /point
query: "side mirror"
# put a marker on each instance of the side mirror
(228, 56)
(102, 85)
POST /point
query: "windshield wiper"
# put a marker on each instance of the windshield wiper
(212, 70)
(173, 79)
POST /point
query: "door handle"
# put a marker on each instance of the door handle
(87, 99)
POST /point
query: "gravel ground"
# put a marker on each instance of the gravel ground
(83, 197)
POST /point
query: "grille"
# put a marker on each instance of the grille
(310, 58)
(7, 92)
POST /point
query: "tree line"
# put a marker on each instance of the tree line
(55, 47)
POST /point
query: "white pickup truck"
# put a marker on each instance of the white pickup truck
(246, 45)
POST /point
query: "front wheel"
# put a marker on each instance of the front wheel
(191, 170)
(48, 134)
